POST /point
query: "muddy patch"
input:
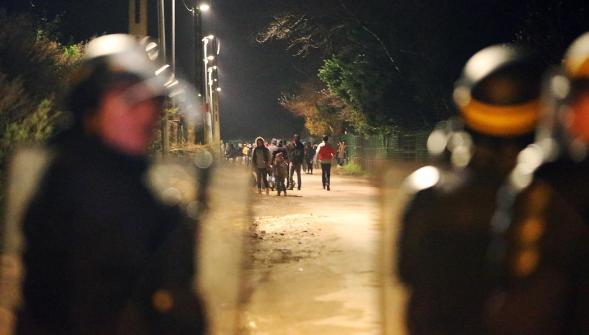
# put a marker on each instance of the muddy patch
(285, 239)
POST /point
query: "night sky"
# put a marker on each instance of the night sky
(252, 76)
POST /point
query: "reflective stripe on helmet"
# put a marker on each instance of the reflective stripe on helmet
(496, 120)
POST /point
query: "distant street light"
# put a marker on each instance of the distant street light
(196, 9)
(162, 69)
(151, 48)
(211, 49)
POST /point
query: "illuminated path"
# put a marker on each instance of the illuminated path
(314, 261)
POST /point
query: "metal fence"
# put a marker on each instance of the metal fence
(373, 151)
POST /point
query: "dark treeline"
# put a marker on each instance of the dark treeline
(395, 62)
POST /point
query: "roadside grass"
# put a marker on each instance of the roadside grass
(351, 169)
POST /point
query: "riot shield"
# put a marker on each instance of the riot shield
(394, 197)
(25, 171)
(222, 256)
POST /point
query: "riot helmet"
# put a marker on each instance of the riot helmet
(564, 126)
(498, 92)
(112, 61)
(576, 68)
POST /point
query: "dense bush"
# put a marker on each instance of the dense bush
(351, 169)
(33, 73)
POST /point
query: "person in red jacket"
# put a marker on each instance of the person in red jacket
(325, 153)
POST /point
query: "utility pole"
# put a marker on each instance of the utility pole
(162, 29)
(164, 129)
(216, 92)
(211, 43)
(138, 27)
(199, 84)
(207, 80)
(138, 18)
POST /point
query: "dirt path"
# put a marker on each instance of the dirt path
(314, 261)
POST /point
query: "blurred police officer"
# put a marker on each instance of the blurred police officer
(102, 254)
(567, 129)
(540, 240)
(445, 228)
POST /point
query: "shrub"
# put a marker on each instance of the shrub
(352, 169)
(33, 71)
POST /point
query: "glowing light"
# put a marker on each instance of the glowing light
(152, 50)
(530, 159)
(459, 139)
(520, 180)
(461, 156)
(210, 57)
(461, 96)
(173, 82)
(161, 69)
(218, 89)
(204, 7)
(560, 86)
(423, 178)
(436, 142)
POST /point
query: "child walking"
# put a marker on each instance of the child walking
(280, 172)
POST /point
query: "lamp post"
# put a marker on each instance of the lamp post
(162, 42)
(197, 9)
(211, 49)
(216, 115)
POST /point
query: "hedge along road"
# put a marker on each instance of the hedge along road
(314, 260)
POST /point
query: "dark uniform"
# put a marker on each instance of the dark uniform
(570, 179)
(442, 251)
(446, 245)
(569, 173)
(542, 281)
(103, 254)
(544, 232)
(101, 247)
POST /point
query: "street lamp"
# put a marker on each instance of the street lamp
(211, 49)
(196, 8)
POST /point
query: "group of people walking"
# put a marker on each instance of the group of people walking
(495, 238)
(281, 162)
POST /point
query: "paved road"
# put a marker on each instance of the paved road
(314, 261)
